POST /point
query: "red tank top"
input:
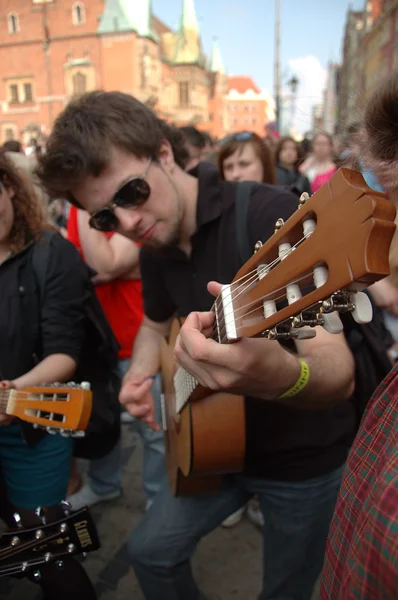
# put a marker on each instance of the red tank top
(121, 299)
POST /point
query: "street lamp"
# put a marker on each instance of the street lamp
(293, 84)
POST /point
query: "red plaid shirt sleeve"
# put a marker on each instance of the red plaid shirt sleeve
(361, 560)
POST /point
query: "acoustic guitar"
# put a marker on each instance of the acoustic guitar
(56, 408)
(24, 550)
(314, 266)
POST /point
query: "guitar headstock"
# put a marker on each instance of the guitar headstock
(333, 246)
(22, 551)
(58, 408)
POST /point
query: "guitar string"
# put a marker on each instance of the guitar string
(258, 300)
(254, 274)
(25, 546)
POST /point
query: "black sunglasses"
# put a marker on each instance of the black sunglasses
(132, 194)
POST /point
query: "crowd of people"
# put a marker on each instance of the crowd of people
(143, 213)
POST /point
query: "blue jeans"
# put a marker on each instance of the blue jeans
(105, 474)
(296, 523)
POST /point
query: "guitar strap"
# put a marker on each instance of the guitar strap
(242, 200)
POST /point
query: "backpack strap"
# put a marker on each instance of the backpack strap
(40, 260)
(242, 199)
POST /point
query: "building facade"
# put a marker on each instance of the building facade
(247, 108)
(52, 50)
(370, 52)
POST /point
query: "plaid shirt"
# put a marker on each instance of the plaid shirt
(362, 550)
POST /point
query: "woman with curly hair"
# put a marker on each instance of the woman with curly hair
(41, 334)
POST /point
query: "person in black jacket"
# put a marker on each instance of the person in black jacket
(40, 340)
(287, 158)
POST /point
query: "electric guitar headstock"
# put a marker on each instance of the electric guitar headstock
(63, 408)
(23, 551)
(333, 246)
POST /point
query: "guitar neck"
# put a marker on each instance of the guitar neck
(4, 400)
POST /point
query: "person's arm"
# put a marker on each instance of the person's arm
(114, 258)
(263, 368)
(56, 367)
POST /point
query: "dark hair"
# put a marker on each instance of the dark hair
(12, 146)
(84, 133)
(381, 121)
(279, 147)
(232, 143)
(193, 136)
(29, 218)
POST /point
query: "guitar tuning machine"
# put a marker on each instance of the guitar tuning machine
(60, 564)
(40, 514)
(303, 198)
(258, 246)
(15, 541)
(280, 223)
(36, 576)
(18, 520)
(66, 507)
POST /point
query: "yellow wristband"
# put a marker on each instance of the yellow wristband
(300, 383)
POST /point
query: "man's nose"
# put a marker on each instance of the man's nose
(128, 219)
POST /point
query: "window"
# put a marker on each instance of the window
(9, 134)
(184, 93)
(14, 96)
(78, 14)
(13, 23)
(28, 92)
(79, 83)
(246, 108)
(254, 121)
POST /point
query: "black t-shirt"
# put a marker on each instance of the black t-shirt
(282, 442)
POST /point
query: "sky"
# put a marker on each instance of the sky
(311, 35)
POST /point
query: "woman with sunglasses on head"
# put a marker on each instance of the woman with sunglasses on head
(245, 156)
(287, 156)
(41, 335)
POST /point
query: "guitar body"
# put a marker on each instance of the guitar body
(204, 441)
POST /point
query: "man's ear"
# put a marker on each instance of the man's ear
(166, 157)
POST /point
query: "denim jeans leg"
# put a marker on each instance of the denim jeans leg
(105, 474)
(297, 516)
(153, 459)
(161, 546)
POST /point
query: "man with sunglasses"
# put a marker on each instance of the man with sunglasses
(112, 156)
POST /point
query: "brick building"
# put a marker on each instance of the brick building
(246, 106)
(51, 50)
(370, 52)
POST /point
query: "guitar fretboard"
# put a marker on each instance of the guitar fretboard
(184, 386)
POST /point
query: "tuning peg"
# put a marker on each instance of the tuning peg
(39, 513)
(280, 223)
(257, 246)
(363, 311)
(303, 334)
(39, 534)
(85, 385)
(15, 541)
(60, 564)
(17, 519)
(84, 555)
(51, 430)
(36, 576)
(71, 548)
(66, 506)
(332, 322)
(47, 557)
(303, 198)
(24, 567)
